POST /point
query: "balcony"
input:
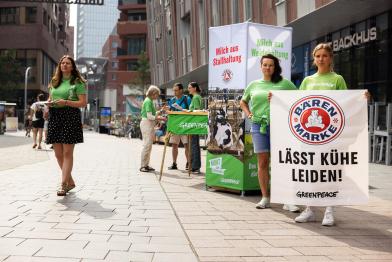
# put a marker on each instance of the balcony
(131, 4)
(122, 54)
(131, 27)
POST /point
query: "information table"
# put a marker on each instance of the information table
(185, 123)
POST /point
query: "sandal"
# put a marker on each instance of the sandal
(70, 187)
(62, 190)
(144, 169)
(39, 147)
(150, 168)
(35, 145)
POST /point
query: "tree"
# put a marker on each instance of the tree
(143, 71)
(11, 74)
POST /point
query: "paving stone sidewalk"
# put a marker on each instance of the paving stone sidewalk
(119, 214)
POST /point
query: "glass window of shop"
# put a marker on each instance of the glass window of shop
(361, 56)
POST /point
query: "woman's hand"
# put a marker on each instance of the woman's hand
(61, 102)
(269, 97)
(368, 95)
(250, 116)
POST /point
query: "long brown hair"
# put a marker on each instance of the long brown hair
(57, 78)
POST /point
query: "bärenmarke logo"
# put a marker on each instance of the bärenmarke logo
(316, 120)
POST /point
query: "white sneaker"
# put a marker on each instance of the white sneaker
(328, 219)
(306, 216)
(291, 208)
(264, 203)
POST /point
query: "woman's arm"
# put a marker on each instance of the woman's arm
(82, 102)
(245, 108)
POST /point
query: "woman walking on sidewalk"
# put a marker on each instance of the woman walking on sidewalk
(67, 94)
(196, 104)
(255, 105)
(149, 115)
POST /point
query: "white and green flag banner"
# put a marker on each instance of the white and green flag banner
(235, 51)
(319, 147)
(188, 124)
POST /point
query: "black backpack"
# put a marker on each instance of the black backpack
(39, 113)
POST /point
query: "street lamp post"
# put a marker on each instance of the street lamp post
(25, 94)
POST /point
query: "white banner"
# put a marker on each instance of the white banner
(235, 51)
(319, 147)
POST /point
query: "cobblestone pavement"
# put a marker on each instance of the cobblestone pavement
(117, 213)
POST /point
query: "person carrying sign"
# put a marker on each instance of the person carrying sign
(255, 104)
(323, 79)
(178, 103)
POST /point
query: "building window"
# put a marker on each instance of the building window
(215, 13)
(114, 53)
(9, 15)
(31, 15)
(132, 65)
(45, 18)
(234, 11)
(114, 77)
(114, 44)
(136, 16)
(281, 14)
(248, 10)
(114, 64)
(132, 2)
(136, 46)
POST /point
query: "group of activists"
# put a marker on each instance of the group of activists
(67, 93)
(179, 102)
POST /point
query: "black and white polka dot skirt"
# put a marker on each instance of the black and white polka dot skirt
(65, 126)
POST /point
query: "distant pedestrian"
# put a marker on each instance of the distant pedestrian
(149, 115)
(28, 122)
(196, 104)
(67, 95)
(177, 103)
(37, 115)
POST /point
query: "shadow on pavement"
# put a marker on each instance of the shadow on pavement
(10, 141)
(89, 207)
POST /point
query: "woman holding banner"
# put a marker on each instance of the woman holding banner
(255, 105)
(323, 79)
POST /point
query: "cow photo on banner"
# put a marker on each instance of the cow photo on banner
(319, 147)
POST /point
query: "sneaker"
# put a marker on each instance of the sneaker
(291, 208)
(195, 171)
(328, 219)
(264, 203)
(306, 216)
(173, 167)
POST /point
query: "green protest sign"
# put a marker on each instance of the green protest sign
(181, 123)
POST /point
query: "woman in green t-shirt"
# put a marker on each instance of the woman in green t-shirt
(149, 115)
(255, 105)
(67, 94)
(196, 104)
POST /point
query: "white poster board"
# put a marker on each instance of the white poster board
(319, 147)
(235, 51)
(11, 124)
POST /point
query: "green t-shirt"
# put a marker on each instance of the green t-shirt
(257, 94)
(148, 106)
(66, 91)
(328, 81)
(196, 103)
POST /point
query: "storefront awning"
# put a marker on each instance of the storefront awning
(334, 16)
